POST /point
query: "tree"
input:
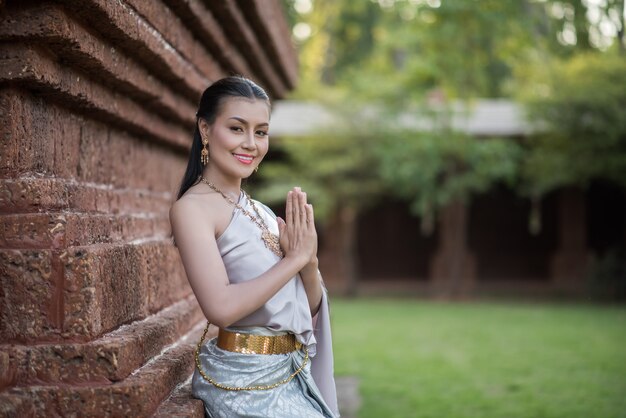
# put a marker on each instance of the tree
(559, 56)
(398, 50)
(432, 169)
(581, 105)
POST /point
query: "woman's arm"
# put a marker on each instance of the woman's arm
(312, 285)
(221, 302)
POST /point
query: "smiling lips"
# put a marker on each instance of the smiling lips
(244, 158)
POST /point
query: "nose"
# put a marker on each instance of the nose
(249, 142)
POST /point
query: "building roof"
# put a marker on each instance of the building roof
(481, 117)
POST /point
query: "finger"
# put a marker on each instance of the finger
(302, 208)
(289, 209)
(294, 208)
(309, 216)
(281, 226)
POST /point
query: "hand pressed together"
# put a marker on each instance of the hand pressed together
(297, 235)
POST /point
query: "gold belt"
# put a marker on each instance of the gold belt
(257, 344)
(252, 344)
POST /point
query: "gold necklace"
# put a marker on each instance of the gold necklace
(270, 240)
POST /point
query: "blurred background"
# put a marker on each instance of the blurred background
(461, 147)
(467, 163)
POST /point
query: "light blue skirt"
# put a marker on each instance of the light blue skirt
(298, 398)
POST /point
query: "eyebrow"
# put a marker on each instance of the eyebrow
(246, 122)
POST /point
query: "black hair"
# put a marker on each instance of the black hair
(210, 105)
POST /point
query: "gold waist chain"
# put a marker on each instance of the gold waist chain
(252, 344)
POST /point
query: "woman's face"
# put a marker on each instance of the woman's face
(238, 139)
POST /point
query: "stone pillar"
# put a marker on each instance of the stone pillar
(98, 102)
(569, 264)
(453, 270)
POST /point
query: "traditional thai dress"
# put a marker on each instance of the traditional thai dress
(311, 393)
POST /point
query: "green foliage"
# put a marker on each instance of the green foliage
(398, 50)
(395, 54)
(431, 169)
(581, 106)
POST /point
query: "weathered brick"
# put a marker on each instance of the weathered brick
(13, 127)
(22, 149)
(38, 138)
(107, 359)
(105, 285)
(23, 231)
(108, 285)
(30, 295)
(139, 395)
(58, 230)
(175, 32)
(31, 194)
(125, 28)
(131, 201)
(94, 162)
(206, 27)
(140, 164)
(181, 404)
(8, 371)
(270, 30)
(242, 35)
(16, 406)
(32, 67)
(49, 24)
(113, 157)
(73, 147)
(84, 230)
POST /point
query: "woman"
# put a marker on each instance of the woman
(255, 275)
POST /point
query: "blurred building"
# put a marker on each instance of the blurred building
(499, 244)
(98, 102)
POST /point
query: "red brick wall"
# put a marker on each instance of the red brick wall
(97, 102)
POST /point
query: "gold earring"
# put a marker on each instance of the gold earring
(204, 155)
(256, 168)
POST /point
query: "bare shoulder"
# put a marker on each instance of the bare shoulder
(198, 208)
(188, 204)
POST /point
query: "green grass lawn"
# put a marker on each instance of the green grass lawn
(482, 359)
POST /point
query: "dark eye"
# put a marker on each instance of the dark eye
(236, 129)
(261, 133)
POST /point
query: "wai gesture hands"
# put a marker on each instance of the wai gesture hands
(297, 235)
